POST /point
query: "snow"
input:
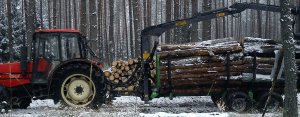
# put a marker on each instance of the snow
(163, 114)
(131, 106)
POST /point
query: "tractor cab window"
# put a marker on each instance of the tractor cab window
(70, 46)
(47, 46)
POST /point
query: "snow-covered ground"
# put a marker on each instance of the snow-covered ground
(130, 106)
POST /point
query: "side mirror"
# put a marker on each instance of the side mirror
(23, 63)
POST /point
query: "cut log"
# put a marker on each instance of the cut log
(130, 88)
(111, 78)
(165, 68)
(130, 61)
(114, 63)
(116, 75)
(251, 40)
(194, 82)
(114, 69)
(200, 52)
(127, 68)
(116, 81)
(205, 70)
(106, 73)
(199, 75)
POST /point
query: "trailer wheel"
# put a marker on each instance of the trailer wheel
(238, 102)
(77, 89)
(215, 98)
(275, 104)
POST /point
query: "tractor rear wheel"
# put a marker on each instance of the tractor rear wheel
(78, 87)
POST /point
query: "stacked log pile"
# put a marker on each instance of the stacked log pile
(265, 55)
(120, 72)
(264, 50)
(200, 64)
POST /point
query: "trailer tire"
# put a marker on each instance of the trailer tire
(215, 98)
(275, 104)
(238, 101)
(75, 88)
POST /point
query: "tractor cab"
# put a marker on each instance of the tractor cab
(52, 47)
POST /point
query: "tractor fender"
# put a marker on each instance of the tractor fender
(73, 61)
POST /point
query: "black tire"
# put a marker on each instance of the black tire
(74, 87)
(215, 99)
(275, 104)
(238, 102)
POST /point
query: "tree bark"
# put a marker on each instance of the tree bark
(111, 30)
(30, 20)
(290, 90)
(93, 25)
(194, 28)
(41, 14)
(83, 18)
(168, 19)
(131, 33)
(206, 33)
(201, 52)
(10, 30)
(54, 14)
(137, 25)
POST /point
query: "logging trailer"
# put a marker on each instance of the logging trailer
(60, 70)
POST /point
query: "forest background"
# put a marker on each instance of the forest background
(113, 27)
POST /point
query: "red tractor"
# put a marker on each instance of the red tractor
(58, 69)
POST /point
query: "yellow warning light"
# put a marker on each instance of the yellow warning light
(221, 14)
(145, 55)
(181, 23)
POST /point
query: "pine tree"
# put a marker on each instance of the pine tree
(3, 37)
(17, 26)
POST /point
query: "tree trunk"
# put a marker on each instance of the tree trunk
(41, 14)
(49, 14)
(194, 28)
(54, 14)
(83, 18)
(137, 25)
(101, 30)
(69, 15)
(111, 30)
(10, 30)
(290, 90)
(75, 14)
(131, 37)
(177, 31)
(168, 19)
(30, 20)
(93, 25)
(206, 34)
